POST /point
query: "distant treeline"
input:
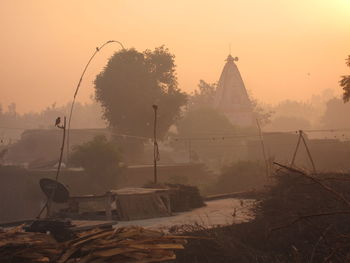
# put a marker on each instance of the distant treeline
(12, 123)
(323, 111)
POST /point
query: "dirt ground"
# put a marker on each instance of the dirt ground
(216, 212)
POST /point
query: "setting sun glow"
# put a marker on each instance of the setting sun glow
(46, 44)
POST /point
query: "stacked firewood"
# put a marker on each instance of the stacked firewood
(126, 244)
(19, 246)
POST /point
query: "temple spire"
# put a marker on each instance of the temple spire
(231, 95)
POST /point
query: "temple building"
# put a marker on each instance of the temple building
(231, 96)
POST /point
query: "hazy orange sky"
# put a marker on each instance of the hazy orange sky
(45, 44)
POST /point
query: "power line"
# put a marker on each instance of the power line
(329, 130)
(95, 131)
(207, 138)
(14, 128)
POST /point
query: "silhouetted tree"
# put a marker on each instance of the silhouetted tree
(203, 96)
(204, 122)
(202, 131)
(131, 83)
(240, 176)
(100, 159)
(336, 114)
(288, 123)
(261, 113)
(292, 108)
(345, 83)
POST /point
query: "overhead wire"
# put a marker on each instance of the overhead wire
(215, 137)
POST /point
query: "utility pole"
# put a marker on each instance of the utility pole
(155, 144)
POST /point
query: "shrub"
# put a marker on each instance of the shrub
(100, 159)
(240, 176)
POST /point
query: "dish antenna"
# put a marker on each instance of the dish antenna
(54, 190)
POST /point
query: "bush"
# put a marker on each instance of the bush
(100, 159)
(302, 218)
(240, 176)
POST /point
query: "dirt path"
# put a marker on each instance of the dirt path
(216, 212)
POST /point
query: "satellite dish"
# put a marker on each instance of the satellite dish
(59, 191)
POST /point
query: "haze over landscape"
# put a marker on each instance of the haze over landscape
(287, 49)
(175, 131)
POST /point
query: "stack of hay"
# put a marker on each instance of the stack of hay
(126, 244)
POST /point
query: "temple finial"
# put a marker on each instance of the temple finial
(231, 59)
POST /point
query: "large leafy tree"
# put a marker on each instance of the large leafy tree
(345, 83)
(131, 83)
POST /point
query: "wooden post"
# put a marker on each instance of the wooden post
(155, 144)
(49, 208)
(168, 203)
(296, 149)
(308, 153)
(267, 165)
(301, 138)
(108, 205)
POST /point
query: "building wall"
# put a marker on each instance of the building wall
(22, 198)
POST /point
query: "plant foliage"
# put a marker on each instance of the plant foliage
(131, 83)
(345, 83)
(100, 159)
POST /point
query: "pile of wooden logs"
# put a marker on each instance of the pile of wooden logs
(125, 244)
(19, 246)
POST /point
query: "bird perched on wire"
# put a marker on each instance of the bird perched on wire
(58, 121)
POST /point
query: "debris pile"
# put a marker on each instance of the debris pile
(184, 197)
(126, 244)
(302, 217)
(19, 246)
